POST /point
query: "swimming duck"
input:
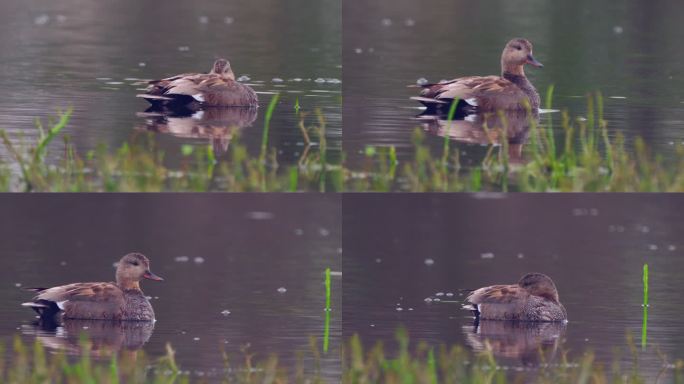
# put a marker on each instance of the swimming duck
(510, 91)
(122, 300)
(533, 298)
(218, 88)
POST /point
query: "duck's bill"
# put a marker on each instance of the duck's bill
(152, 276)
(532, 61)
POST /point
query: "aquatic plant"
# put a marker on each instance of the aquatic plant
(428, 364)
(585, 159)
(31, 364)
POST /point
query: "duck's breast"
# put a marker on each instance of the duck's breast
(137, 307)
(542, 309)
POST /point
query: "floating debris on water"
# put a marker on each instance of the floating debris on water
(386, 22)
(198, 260)
(409, 22)
(41, 20)
(63, 263)
(277, 80)
(260, 215)
(203, 19)
(378, 260)
(183, 48)
(323, 232)
(299, 232)
(652, 247)
(422, 81)
(335, 273)
(429, 262)
(244, 78)
(114, 82)
(103, 78)
(182, 259)
(487, 255)
(319, 80)
(225, 312)
(358, 51)
(282, 290)
(618, 30)
(428, 300)
(449, 294)
(521, 256)
(196, 338)
(671, 248)
(142, 64)
(617, 97)
(17, 285)
(228, 20)
(400, 309)
(439, 294)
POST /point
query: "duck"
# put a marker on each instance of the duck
(480, 94)
(533, 298)
(120, 300)
(218, 88)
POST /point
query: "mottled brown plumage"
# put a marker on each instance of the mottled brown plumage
(122, 300)
(510, 91)
(218, 88)
(533, 298)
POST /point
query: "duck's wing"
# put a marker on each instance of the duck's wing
(166, 89)
(486, 93)
(80, 301)
(222, 92)
(497, 301)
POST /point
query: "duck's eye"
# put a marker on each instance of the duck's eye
(518, 47)
(135, 263)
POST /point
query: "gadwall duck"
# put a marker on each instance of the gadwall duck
(123, 300)
(533, 298)
(218, 88)
(510, 91)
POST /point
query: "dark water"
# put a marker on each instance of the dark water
(593, 246)
(631, 51)
(216, 253)
(90, 55)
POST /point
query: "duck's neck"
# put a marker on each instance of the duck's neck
(127, 285)
(520, 80)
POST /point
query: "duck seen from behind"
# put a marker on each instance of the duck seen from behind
(477, 94)
(533, 298)
(218, 88)
(121, 300)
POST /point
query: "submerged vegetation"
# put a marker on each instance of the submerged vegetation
(581, 157)
(426, 364)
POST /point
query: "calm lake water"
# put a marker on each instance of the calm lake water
(631, 51)
(593, 246)
(90, 55)
(213, 254)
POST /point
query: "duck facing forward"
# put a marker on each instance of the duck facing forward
(475, 94)
(533, 298)
(122, 300)
(218, 88)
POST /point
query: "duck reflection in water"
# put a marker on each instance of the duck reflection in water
(216, 124)
(105, 337)
(485, 129)
(526, 341)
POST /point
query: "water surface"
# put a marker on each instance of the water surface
(402, 252)
(239, 270)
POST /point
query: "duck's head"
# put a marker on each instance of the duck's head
(222, 67)
(131, 269)
(515, 55)
(538, 284)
